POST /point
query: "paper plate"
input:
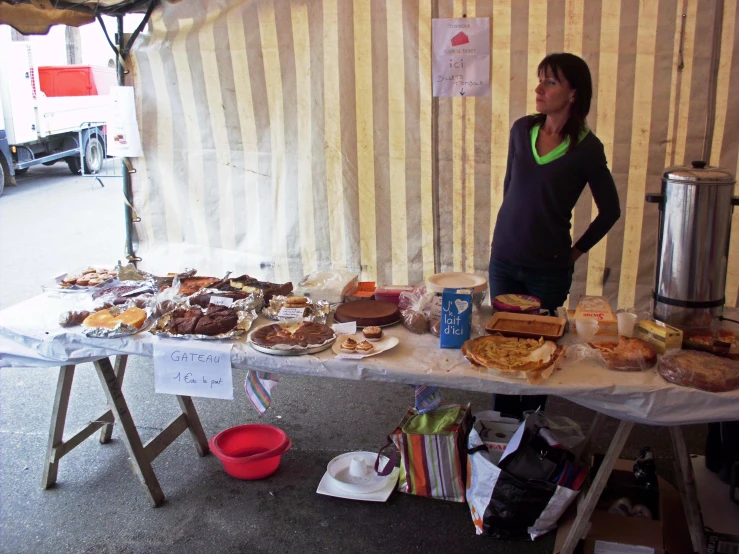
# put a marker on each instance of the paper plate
(341, 471)
(456, 280)
(385, 343)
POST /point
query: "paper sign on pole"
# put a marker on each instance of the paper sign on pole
(461, 57)
(123, 130)
(193, 368)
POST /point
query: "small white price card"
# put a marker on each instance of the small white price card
(345, 328)
(290, 313)
(221, 300)
(193, 368)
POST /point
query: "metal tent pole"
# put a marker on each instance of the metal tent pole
(127, 189)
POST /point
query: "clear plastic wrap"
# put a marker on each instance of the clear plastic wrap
(415, 321)
(700, 370)
(563, 430)
(330, 286)
(628, 354)
(420, 309)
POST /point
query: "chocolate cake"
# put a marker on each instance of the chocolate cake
(368, 312)
(213, 321)
(309, 333)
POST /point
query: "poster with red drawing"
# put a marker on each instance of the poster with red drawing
(460, 64)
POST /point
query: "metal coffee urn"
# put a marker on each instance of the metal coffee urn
(695, 208)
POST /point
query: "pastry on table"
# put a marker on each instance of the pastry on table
(304, 335)
(628, 354)
(364, 347)
(368, 313)
(349, 345)
(700, 370)
(89, 277)
(531, 359)
(372, 333)
(104, 319)
(214, 320)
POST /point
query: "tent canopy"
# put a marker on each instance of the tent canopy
(287, 136)
(36, 17)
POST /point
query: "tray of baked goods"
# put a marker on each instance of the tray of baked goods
(80, 280)
(527, 325)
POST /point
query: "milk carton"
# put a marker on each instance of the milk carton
(456, 311)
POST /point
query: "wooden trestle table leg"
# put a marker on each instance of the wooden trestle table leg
(194, 425)
(58, 418)
(119, 369)
(686, 483)
(139, 459)
(586, 507)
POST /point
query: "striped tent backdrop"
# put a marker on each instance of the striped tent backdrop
(287, 136)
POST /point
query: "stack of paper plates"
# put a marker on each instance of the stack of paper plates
(456, 280)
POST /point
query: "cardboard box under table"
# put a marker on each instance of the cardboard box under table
(610, 533)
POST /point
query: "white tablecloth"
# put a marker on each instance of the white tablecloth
(31, 336)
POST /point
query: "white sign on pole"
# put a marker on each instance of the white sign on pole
(123, 129)
(193, 368)
(461, 57)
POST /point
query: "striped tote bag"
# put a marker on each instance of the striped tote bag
(433, 452)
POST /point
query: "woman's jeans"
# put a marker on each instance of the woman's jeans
(551, 286)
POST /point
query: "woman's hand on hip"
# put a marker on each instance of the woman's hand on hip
(575, 254)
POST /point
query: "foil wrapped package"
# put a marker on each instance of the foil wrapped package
(244, 310)
(317, 310)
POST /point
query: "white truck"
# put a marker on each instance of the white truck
(36, 129)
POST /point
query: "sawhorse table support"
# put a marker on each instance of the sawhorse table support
(590, 497)
(141, 456)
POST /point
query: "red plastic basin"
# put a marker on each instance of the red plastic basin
(250, 451)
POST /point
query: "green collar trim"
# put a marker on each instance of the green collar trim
(558, 152)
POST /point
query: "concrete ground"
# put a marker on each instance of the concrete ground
(54, 221)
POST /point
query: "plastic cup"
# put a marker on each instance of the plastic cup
(587, 328)
(357, 467)
(626, 322)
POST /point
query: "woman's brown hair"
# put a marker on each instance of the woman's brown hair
(577, 74)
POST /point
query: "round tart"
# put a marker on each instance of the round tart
(308, 334)
(372, 333)
(368, 313)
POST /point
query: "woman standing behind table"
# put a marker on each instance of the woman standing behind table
(551, 157)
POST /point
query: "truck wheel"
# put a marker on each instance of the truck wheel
(73, 162)
(94, 155)
(4, 174)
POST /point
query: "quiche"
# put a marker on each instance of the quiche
(530, 359)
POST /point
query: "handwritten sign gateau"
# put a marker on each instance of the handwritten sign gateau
(193, 368)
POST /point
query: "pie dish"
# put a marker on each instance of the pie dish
(530, 359)
(628, 354)
(292, 338)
